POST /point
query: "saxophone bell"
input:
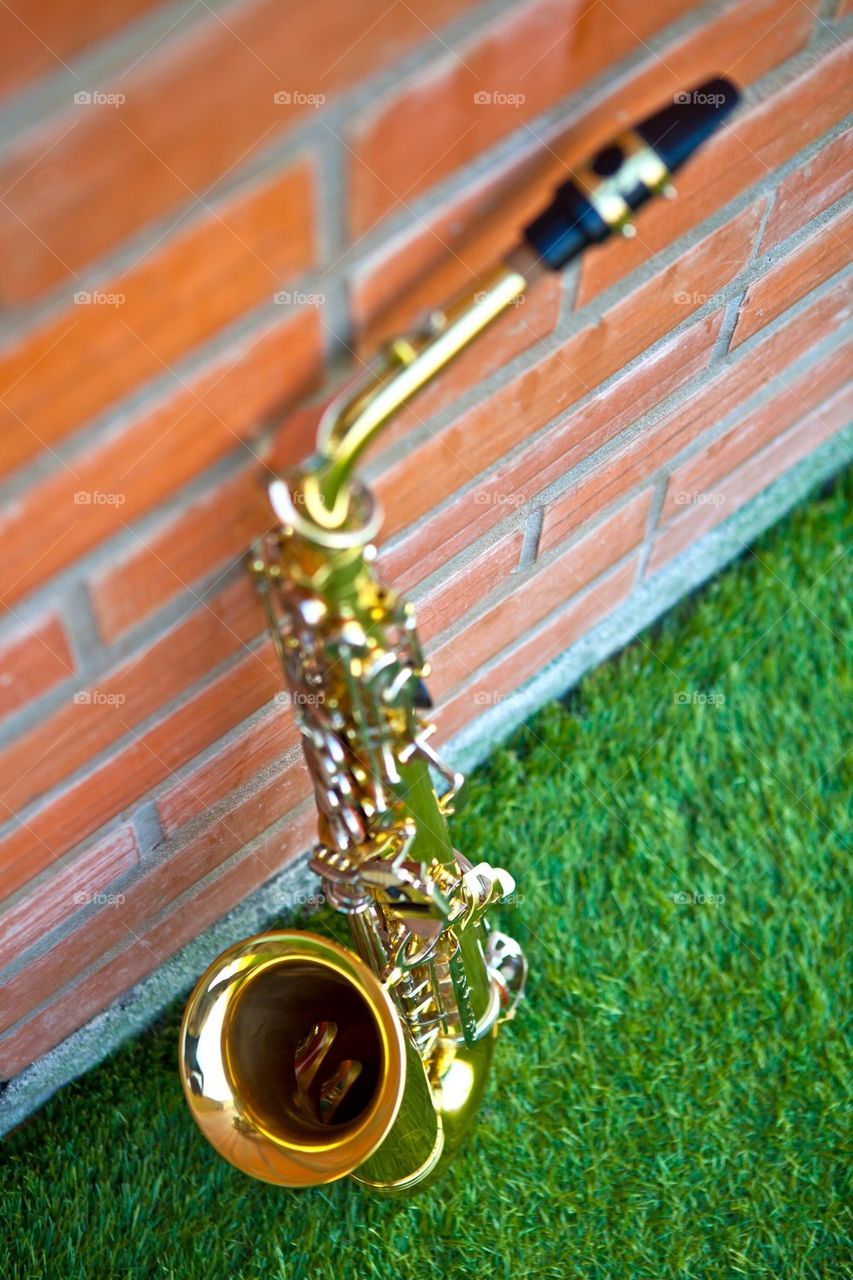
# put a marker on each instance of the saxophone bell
(299, 1102)
(292, 1059)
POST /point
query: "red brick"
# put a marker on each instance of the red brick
(699, 475)
(820, 318)
(177, 294)
(542, 50)
(156, 454)
(441, 253)
(191, 545)
(536, 595)
(455, 526)
(36, 36)
(753, 476)
(78, 882)
(458, 592)
(122, 698)
(84, 999)
(200, 103)
(246, 817)
(810, 189)
(180, 869)
(638, 460)
(809, 265)
(437, 259)
(242, 760)
(517, 330)
(198, 541)
(36, 658)
(133, 770)
(445, 252)
(569, 624)
(227, 832)
(235, 766)
(462, 450)
(755, 142)
(185, 863)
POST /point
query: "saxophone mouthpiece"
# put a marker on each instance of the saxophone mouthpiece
(680, 129)
(602, 195)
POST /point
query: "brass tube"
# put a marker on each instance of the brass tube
(413, 362)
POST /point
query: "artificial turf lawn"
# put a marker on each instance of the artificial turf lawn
(671, 1100)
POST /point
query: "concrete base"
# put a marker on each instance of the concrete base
(138, 1007)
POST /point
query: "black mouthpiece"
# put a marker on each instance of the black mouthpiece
(627, 172)
(678, 130)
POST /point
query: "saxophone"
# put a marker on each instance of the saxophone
(303, 1061)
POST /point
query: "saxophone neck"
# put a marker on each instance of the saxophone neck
(353, 421)
(598, 200)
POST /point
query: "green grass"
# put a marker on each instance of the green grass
(671, 1101)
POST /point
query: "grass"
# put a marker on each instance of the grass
(671, 1101)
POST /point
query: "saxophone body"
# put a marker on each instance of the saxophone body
(303, 1061)
(380, 1072)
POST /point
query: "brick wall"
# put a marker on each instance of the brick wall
(203, 209)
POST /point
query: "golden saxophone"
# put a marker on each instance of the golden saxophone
(302, 1061)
